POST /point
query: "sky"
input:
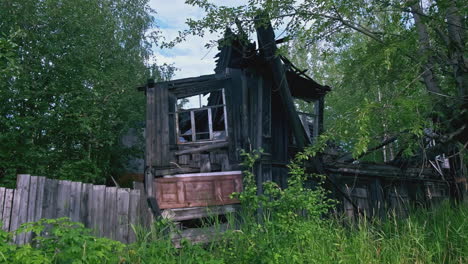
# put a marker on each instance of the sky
(190, 57)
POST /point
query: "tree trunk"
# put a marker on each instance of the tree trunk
(425, 50)
(456, 48)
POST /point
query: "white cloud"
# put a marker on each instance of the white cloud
(190, 56)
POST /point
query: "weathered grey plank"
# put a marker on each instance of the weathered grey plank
(39, 197)
(50, 199)
(7, 208)
(75, 201)
(110, 212)
(182, 214)
(123, 199)
(63, 199)
(84, 206)
(2, 200)
(133, 214)
(22, 184)
(99, 193)
(31, 206)
(143, 210)
(92, 207)
(14, 221)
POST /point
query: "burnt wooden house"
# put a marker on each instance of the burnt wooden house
(256, 99)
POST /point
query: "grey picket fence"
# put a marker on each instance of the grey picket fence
(109, 211)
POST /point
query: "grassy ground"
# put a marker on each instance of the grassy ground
(436, 236)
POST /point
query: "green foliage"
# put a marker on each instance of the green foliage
(68, 77)
(373, 57)
(59, 241)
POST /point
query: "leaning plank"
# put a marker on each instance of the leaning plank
(133, 214)
(31, 205)
(63, 199)
(109, 211)
(2, 200)
(75, 201)
(7, 208)
(123, 198)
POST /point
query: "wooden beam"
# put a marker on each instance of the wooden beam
(203, 148)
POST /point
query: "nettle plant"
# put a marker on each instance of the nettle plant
(285, 206)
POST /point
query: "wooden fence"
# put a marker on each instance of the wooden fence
(108, 211)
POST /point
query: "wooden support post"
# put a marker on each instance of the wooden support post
(377, 198)
(266, 39)
(150, 139)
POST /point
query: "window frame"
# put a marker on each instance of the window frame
(192, 120)
(303, 115)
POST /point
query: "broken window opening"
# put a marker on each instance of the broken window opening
(307, 111)
(201, 117)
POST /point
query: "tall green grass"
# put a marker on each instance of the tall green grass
(279, 226)
(436, 236)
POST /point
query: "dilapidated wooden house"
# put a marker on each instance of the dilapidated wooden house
(256, 99)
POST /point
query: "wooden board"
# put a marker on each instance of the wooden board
(39, 197)
(198, 189)
(2, 200)
(31, 206)
(20, 206)
(182, 214)
(75, 201)
(50, 198)
(123, 199)
(63, 199)
(7, 206)
(133, 214)
(98, 208)
(84, 205)
(110, 212)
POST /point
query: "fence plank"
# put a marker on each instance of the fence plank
(2, 200)
(123, 199)
(144, 211)
(75, 201)
(133, 214)
(109, 212)
(31, 206)
(63, 199)
(7, 208)
(39, 197)
(100, 209)
(97, 206)
(84, 206)
(20, 205)
(50, 199)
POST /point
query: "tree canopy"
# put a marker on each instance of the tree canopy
(397, 68)
(69, 72)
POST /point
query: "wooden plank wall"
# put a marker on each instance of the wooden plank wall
(108, 211)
